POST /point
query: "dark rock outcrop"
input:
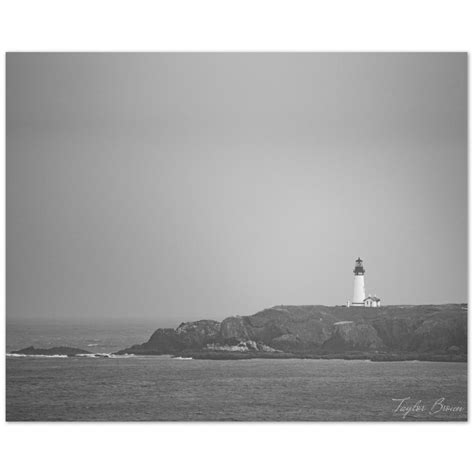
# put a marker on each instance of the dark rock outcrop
(53, 351)
(162, 341)
(323, 330)
(187, 336)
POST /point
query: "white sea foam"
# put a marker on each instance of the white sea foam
(106, 355)
(61, 356)
(96, 355)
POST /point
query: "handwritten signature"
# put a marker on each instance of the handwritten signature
(406, 406)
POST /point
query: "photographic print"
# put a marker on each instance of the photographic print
(236, 236)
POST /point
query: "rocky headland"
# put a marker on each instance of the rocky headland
(421, 332)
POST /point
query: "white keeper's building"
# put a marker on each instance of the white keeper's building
(372, 302)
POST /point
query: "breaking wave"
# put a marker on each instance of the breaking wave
(63, 356)
(60, 356)
(105, 355)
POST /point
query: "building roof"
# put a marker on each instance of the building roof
(373, 298)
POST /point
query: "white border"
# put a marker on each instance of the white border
(234, 25)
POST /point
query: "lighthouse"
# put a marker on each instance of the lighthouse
(359, 286)
(358, 297)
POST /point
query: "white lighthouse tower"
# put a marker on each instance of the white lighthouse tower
(359, 286)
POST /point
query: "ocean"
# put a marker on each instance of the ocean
(162, 388)
(103, 337)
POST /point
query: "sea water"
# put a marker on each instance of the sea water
(163, 388)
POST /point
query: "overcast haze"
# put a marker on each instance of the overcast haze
(173, 187)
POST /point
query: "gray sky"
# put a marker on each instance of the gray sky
(174, 187)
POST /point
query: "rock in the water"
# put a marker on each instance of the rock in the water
(68, 351)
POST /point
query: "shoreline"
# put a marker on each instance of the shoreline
(222, 355)
(385, 357)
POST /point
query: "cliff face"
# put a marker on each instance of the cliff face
(322, 330)
(197, 334)
(349, 335)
